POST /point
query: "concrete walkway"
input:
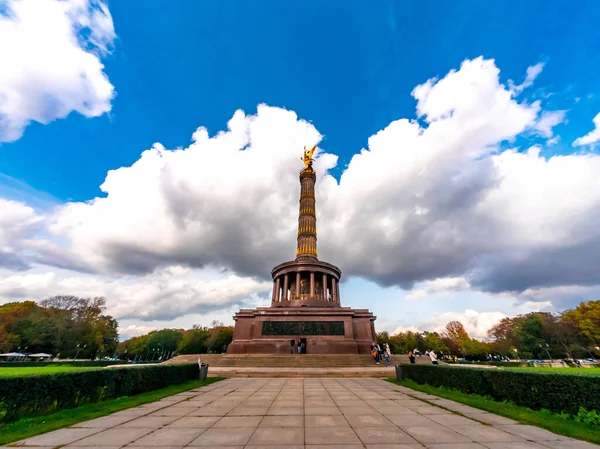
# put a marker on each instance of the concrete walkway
(303, 413)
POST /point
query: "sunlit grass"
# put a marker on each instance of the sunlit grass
(47, 369)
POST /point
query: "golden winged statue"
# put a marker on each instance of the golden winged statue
(307, 158)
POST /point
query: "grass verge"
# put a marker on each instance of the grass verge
(550, 421)
(28, 427)
(31, 370)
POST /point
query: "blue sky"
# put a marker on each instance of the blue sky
(348, 68)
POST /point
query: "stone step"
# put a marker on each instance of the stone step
(290, 360)
(377, 372)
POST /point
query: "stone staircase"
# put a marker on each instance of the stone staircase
(291, 360)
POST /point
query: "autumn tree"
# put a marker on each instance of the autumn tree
(585, 319)
(57, 325)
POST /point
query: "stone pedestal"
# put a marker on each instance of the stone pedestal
(327, 330)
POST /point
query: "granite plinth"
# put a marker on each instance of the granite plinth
(248, 337)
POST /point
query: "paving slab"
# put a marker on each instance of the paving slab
(59, 437)
(437, 434)
(486, 434)
(194, 422)
(569, 444)
(238, 421)
(105, 422)
(279, 436)
(491, 419)
(531, 432)
(309, 413)
(331, 435)
(394, 446)
(283, 421)
(114, 437)
(221, 437)
(172, 437)
(148, 421)
(515, 445)
(379, 435)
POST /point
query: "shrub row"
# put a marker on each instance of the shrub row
(556, 392)
(40, 394)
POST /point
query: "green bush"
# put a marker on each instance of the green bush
(40, 394)
(556, 392)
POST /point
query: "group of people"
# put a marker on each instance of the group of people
(297, 346)
(429, 353)
(381, 352)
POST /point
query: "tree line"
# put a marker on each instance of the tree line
(65, 326)
(69, 326)
(574, 333)
(162, 344)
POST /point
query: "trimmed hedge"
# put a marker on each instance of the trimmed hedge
(556, 392)
(45, 393)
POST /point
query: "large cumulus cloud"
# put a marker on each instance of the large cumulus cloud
(426, 199)
(442, 195)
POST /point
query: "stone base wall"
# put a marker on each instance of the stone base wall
(357, 338)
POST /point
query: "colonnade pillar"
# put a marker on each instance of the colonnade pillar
(284, 296)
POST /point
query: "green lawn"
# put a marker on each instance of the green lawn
(31, 370)
(28, 427)
(546, 420)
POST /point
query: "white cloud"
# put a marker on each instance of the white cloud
(532, 73)
(16, 222)
(50, 57)
(591, 137)
(476, 323)
(164, 294)
(547, 121)
(403, 329)
(134, 330)
(439, 286)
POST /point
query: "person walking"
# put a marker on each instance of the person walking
(379, 352)
(433, 357)
(411, 357)
(386, 354)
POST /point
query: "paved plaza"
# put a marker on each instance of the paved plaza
(305, 414)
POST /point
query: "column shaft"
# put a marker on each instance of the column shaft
(285, 287)
(298, 285)
(312, 284)
(333, 292)
(324, 284)
(277, 282)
